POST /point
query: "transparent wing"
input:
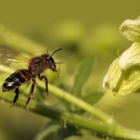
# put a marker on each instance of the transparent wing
(13, 59)
(6, 55)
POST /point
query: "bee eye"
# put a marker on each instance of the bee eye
(48, 57)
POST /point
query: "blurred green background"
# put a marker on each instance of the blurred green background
(82, 28)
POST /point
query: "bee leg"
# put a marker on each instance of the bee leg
(46, 82)
(31, 92)
(16, 96)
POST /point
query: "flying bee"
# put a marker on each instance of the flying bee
(37, 65)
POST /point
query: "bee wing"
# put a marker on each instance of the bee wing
(6, 55)
(21, 61)
(13, 59)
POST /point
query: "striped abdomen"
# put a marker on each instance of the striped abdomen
(16, 79)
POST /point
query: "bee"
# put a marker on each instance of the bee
(37, 65)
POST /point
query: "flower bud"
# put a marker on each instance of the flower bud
(113, 76)
(130, 29)
(130, 57)
(123, 76)
(123, 82)
(130, 83)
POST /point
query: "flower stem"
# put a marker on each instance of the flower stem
(72, 99)
(78, 102)
(111, 130)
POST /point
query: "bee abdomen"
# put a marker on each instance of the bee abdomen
(15, 80)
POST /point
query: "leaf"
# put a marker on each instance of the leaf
(48, 131)
(93, 97)
(65, 132)
(57, 131)
(82, 75)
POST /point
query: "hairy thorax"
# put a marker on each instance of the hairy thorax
(37, 65)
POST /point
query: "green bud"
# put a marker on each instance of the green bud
(123, 76)
(130, 29)
(122, 82)
(113, 76)
(130, 57)
(130, 83)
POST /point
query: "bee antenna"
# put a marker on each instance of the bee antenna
(56, 51)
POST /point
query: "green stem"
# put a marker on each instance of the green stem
(78, 102)
(72, 99)
(111, 130)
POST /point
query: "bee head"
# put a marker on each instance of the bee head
(50, 61)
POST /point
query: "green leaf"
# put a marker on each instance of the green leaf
(57, 131)
(82, 74)
(65, 132)
(48, 131)
(93, 97)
